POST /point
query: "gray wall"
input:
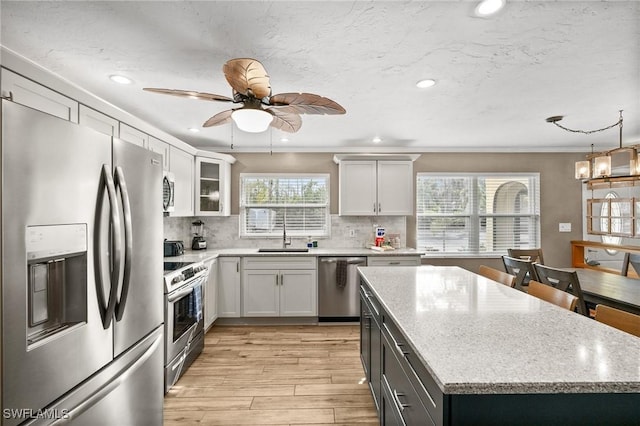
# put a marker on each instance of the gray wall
(560, 193)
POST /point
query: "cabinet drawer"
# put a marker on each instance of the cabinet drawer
(393, 261)
(372, 302)
(425, 386)
(279, 262)
(402, 397)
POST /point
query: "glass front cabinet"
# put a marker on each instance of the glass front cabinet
(213, 180)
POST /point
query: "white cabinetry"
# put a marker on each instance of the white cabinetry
(181, 164)
(29, 93)
(162, 148)
(97, 121)
(393, 261)
(213, 187)
(376, 187)
(134, 136)
(211, 294)
(229, 287)
(279, 286)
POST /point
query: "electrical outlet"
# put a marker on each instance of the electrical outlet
(352, 233)
(564, 227)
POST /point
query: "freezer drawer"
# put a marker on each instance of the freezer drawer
(339, 288)
(129, 391)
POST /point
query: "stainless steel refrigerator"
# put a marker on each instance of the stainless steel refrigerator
(82, 295)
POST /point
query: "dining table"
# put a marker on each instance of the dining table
(599, 287)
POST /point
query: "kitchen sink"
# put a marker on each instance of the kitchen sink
(283, 250)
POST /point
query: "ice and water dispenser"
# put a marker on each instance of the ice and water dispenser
(57, 279)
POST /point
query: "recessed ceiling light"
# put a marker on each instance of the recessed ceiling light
(194, 129)
(284, 140)
(489, 7)
(376, 139)
(120, 79)
(423, 84)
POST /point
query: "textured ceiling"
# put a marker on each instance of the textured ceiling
(497, 78)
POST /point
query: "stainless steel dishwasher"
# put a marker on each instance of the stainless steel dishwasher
(339, 288)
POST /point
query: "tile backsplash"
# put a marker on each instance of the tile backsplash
(223, 232)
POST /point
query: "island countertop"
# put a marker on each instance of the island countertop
(476, 336)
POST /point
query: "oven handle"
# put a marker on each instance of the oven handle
(172, 297)
(179, 294)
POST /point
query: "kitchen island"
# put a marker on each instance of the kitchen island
(442, 345)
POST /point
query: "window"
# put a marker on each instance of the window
(267, 201)
(476, 214)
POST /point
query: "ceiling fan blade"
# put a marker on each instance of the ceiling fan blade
(218, 119)
(248, 77)
(285, 120)
(307, 103)
(190, 94)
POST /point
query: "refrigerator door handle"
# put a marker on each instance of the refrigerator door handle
(114, 219)
(121, 184)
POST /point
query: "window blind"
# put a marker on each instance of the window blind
(268, 201)
(477, 213)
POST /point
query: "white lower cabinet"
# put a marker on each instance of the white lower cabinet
(273, 287)
(393, 261)
(228, 287)
(211, 294)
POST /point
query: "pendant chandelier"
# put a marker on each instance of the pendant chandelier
(598, 165)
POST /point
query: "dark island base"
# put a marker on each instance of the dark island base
(545, 409)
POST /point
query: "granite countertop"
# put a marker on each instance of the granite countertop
(477, 336)
(205, 255)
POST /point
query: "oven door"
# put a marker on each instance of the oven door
(183, 317)
(168, 192)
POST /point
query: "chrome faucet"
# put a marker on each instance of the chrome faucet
(285, 243)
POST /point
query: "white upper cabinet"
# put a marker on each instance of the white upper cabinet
(181, 164)
(212, 187)
(134, 136)
(376, 188)
(26, 92)
(395, 188)
(98, 121)
(162, 148)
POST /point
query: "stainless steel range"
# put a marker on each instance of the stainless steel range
(183, 317)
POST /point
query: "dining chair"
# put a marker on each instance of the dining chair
(553, 295)
(563, 280)
(632, 259)
(534, 254)
(497, 275)
(522, 269)
(622, 320)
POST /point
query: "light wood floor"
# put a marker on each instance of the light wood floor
(274, 375)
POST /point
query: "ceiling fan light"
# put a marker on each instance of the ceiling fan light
(251, 120)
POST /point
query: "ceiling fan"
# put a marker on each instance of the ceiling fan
(260, 109)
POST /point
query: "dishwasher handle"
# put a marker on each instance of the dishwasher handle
(350, 261)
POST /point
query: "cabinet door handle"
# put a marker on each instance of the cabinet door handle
(394, 263)
(277, 280)
(237, 266)
(397, 344)
(374, 207)
(379, 208)
(396, 399)
(281, 279)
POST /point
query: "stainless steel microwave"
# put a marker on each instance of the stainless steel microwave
(168, 188)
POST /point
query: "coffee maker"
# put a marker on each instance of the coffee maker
(198, 242)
